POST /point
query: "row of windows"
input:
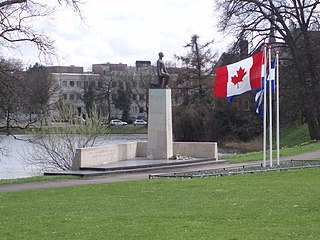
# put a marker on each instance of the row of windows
(76, 97)
(135, 97)
(78, 84)
(71, 96)
(137, 110)
(71, 84)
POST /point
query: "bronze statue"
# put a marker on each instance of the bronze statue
(163, 75)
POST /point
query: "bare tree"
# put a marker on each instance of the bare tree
(139, 80)
(56, 149)
(17, 18)
(16, 28)
(12, 90)
(41, 87)
(293, 24)
(109, 79)
(24, 95)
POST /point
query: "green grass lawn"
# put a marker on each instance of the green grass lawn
(285, 151)
(277, 205)
(129, 129)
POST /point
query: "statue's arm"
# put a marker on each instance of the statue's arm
(159, 68)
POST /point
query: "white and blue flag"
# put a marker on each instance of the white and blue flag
(259, 95)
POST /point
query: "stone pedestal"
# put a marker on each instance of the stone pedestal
(160, 144)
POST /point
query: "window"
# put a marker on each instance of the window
(93, 85)
(71, 83)
(134, 110)
(65, 96)
(64, 84)
(134, 97)
(79, 84)
(141, 110)
(86, 84)
(71, 97)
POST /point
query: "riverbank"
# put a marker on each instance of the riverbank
(15, 165)
(59, 183)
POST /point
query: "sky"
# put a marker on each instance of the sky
(125, 31)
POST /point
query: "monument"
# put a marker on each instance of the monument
(160, 143)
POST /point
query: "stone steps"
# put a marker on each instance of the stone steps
(105, 170)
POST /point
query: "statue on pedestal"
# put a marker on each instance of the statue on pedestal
(163, 75)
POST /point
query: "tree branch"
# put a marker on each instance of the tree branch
(11, 2)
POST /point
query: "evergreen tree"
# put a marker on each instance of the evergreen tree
(123, 102)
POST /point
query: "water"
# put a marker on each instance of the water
(15, 165)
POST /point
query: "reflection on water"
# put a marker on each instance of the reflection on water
(15, 166)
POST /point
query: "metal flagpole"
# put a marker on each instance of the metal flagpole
(278, 110)
(270, 107)
(264, 105)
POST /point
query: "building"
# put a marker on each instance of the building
(72, 87)
(106, 80)
(72, 81)
(105, 68)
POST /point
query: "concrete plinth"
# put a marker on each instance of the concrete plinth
(160, 124)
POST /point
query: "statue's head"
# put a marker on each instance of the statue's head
(160, 54)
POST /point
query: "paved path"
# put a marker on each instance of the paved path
(134, 176)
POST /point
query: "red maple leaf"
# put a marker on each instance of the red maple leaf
(239, 77)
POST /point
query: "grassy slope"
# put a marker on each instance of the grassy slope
(293, 140)
(294, 136)
(237, 207)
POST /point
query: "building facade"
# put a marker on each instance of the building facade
(106, 81)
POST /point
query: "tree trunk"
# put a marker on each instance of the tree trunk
(313, 124)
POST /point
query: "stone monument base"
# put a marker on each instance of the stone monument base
(160, 124)
(94, 156)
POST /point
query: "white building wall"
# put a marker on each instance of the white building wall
(72, 87)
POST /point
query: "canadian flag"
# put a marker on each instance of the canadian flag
(239, 77)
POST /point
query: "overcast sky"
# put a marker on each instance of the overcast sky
(124, 31)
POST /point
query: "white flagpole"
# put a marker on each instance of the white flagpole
(264, 105)
(270, 107)
(278, 108)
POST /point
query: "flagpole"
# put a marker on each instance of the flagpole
(278, 108)
(264, 105)
(270, 107)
